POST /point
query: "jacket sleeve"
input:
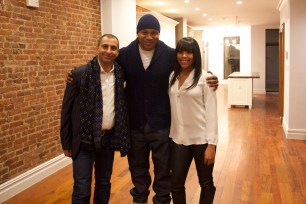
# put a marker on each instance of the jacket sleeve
(70, 95)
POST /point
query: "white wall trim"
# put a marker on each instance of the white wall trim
(29, 178)
(259, 91)
(280, 5)
(294, 134)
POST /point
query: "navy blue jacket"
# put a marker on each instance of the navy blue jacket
(147, 90)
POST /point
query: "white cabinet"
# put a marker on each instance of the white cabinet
(240, 88)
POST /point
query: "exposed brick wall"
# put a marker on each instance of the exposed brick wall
(37, 48)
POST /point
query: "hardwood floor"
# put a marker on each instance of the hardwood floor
(255, 163)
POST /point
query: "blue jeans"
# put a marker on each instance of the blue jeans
(82, 174)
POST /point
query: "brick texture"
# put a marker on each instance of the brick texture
(37, 48)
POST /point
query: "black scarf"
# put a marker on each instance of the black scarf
(91, 104)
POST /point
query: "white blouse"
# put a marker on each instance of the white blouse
(194, 117)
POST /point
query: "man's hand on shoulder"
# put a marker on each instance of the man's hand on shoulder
(212, 81)
(67, 153)
(69, 77)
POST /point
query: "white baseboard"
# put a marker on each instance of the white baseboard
(29, 178)
(294, 134)
(259, 91)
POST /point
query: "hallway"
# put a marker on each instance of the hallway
(255, 163)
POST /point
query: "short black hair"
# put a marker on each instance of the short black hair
(108, 36)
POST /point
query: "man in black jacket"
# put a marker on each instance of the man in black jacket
(94, 121)
(147, 63)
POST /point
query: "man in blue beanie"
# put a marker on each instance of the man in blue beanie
(147, 63)
(148, 21)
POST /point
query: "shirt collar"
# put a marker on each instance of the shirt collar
(102, 70)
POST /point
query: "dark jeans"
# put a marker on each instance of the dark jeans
(158, 143)
(181, 158)
(82, 174)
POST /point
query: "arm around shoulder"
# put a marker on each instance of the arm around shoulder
(212, 81)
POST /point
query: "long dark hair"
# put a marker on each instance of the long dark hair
(190, 45)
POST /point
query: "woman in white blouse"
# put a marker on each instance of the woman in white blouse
(194, 122)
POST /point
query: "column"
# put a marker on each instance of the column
(119, 18)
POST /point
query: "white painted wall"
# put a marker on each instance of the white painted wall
(293, 14)
(258, 55)
(213, 45)
(297, 65)
(119, 18)
(252, 51)
(198, 36)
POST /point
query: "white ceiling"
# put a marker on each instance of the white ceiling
(223, 12)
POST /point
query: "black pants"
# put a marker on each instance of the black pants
(157, 143)
(181, 158)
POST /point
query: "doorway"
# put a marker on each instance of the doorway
(231, 55)
(272, 60)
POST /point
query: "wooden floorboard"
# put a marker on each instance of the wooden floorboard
(255, 163)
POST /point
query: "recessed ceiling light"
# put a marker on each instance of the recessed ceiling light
(197, 9)
(205, 14)
(187, 1)
(239, 2)
(158, 3)
(210, 19)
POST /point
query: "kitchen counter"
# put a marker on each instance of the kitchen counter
(240, 88)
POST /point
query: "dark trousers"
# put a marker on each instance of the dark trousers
(181, 158)
(82, 173)
(158, 143)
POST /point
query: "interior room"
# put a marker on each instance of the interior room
(255, 48)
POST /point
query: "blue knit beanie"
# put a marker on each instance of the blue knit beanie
(148, 21)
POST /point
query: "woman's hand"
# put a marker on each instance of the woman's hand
(209, 154)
